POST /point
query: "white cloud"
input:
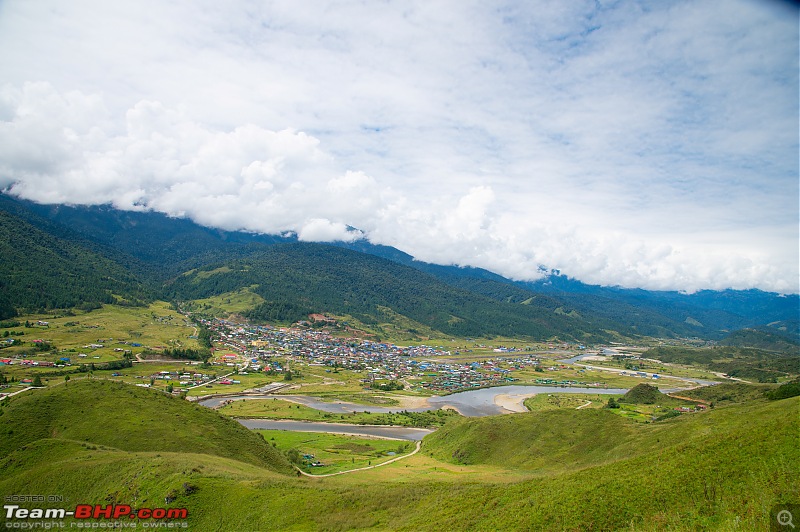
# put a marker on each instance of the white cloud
(644, 145)
(321, 230)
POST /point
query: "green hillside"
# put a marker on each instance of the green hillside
(41, 271)
(768, 339)
(728, 392)
(645, 394)
(295, 279)
(567, 439)
(553, 440)
(720, 470)
(128, 418)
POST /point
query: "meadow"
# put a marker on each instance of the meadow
(334, 453)
(276, 408)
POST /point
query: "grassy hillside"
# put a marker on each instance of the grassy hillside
(554, 440)
(728, 393)
(573, 439)
(643, 394)
(129, 418)
(723, 470)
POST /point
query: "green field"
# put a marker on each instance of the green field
(281, 409)
(113, 327)
(335, 453)
(224, 305)
(729, 392)
(543, 402)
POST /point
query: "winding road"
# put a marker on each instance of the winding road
(412, 453)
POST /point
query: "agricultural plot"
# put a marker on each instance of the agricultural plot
(98, 337)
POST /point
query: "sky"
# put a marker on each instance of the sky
(644, 144)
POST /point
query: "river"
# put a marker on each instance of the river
(472, 403)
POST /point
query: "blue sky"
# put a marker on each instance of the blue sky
(641, 144)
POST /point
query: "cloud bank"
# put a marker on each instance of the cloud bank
(626, 144)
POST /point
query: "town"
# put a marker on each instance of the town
(386, 365)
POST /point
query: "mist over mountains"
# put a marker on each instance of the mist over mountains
(59, 256)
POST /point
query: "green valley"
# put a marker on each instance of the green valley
(136, 348)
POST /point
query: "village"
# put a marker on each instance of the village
(419, 367)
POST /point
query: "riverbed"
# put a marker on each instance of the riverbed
(472, 403)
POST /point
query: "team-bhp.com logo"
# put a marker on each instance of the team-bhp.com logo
(96, 511)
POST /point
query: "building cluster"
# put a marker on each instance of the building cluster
(429, 367)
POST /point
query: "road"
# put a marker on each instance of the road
(412, 453)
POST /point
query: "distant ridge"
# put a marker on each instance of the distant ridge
(136, 253)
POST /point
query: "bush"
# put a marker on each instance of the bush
(784, 391)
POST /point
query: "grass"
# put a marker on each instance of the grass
(583, 469)
(156, 325)
(723, 470)
(652, 366)
(281, 409)
(223, 305)
(251, 380)
(128, 418)
(567, 439)
(729, 393)
(543, 402)
(608, 379)
(336, 452)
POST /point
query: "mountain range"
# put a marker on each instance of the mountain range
(59, 256)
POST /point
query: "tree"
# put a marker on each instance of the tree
(170, 388)
(612, 403)
(66, 379)
(294, 456)
(37, 382)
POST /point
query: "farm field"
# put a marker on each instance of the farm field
(97, 337)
